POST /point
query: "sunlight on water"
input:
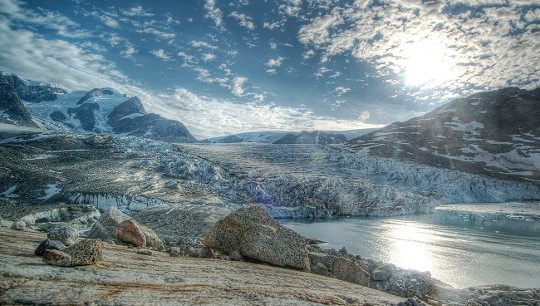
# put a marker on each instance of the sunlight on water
(462, 256)
(410, 246)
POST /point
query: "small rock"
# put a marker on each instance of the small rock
(85, 252)
(67, 234)
(152, 239)
(49, 245)
(145, 252)
(174, 252)
(57, 258)
(206, 253)
(19, 225)
(343, 251)
(170, 185)
(235, 255)
(383, 273)
(320, 269)
(128, 231)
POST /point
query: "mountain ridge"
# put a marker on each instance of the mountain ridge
(494, 133)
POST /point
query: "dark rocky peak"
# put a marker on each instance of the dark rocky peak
(32, 91)
(132, 107)
(312, 138)
(12, 109)
(85, 114)
(96, 92)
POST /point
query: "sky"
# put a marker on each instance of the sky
(226, 67)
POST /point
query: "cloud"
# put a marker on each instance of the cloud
(210, 117)
(214, 13)
(271, 71)
(138, 11)
(273, 45)
(244, 20)
(161, 54)
(208, 57)
(485, 46)
(237, 86)
(275, 62)
(363, 116)
(109, 21)
(158, 33)
(340, 90)
(128, 51)
(188, 59)
(198, 44)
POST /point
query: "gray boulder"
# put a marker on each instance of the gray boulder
(49, 245)
(67, 234)
(254, 234)
(57, 258)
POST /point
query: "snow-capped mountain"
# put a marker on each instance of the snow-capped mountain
(494, 133)
(312, 138)
(99, 111)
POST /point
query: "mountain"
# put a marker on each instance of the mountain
(494, 133)
(270, 137)
(312, 138)
(12, 109)
(99, 111)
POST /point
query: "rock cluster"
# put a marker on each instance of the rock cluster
(252, 233)
(84, 252)
(115, 225)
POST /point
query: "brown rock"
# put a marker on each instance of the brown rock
(349, 271)
(254, 234)
(128, 231)
(57, 258)
(152, 239)
(85, 252)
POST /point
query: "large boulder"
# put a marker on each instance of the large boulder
(349, 271)
(67, 234)
(254, 234)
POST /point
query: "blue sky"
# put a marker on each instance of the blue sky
(224, 67)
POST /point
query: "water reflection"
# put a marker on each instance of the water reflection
(461, 256)
(410, 245)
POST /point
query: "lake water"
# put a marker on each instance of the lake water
(458, 255)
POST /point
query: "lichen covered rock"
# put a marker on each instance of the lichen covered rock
(67, 234)
(85, 252)
(254, 234)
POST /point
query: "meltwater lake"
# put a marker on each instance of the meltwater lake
(461, 256)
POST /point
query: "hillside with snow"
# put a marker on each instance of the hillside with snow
(98, 111)
(495, 133)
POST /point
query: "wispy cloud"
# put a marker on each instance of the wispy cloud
(275, 62)
(198, 44)
(158, 33)
(214, 13)
(136, 11)
(244, 20)
(237, 86)
(340, 90)
(208, 57)
(161, 54)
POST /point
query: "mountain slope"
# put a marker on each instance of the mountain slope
(495, 133)
(312, 138)
(99, 111)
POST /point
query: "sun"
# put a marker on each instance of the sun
(427, 63)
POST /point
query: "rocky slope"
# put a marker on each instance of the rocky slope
(99, 111)
(494, 133)
(125, 277)
(300, 181)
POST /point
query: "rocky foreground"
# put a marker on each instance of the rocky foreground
(125, 277)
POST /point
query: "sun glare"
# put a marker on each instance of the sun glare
(427, 64)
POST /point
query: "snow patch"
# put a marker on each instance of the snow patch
(470, 127)
(132, 116)
(10, 192)
(51, 191)
(41, 156)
